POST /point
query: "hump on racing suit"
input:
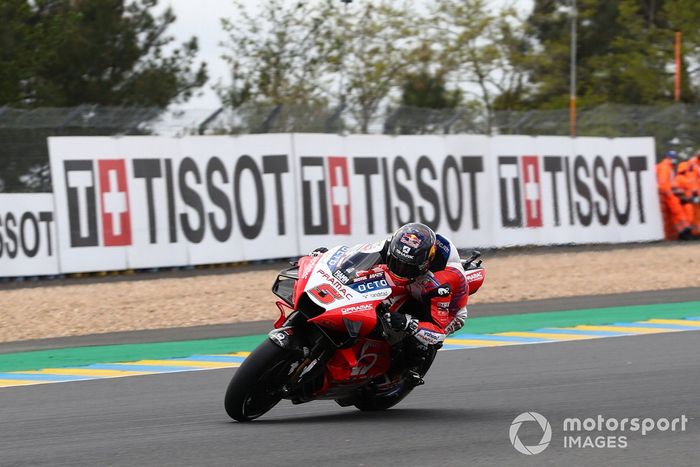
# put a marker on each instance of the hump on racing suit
(445, 254)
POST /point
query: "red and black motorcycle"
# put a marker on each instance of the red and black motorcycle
(334, 344)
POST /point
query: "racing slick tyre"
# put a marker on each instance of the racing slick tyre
(256, 386)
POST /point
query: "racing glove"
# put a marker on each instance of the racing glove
(401, 322)
(458, 322)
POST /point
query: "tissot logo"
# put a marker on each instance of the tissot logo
(396, 190)
(315, 198)
(172, 199)
(143, 202)
(510, 184)
(340, 194)
(114, 202)
(584, 191)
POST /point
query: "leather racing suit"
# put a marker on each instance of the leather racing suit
(437, 300)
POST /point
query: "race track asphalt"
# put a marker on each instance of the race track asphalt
(460, 417)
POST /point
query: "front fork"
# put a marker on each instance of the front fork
(312, 357)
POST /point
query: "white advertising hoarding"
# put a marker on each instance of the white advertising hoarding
(27, 235)
(478, 191)
(146, 202)
(559, 190)
(356, 188)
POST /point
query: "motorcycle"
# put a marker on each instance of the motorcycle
(335, 343)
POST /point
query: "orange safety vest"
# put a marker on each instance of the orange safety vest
(694, 171)
(685, 179)
(665, 176)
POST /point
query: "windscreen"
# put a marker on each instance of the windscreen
(360, 261)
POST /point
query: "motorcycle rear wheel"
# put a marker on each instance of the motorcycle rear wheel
(370, 401)
(255, 387)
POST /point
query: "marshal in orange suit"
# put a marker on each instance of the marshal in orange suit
(676, 221)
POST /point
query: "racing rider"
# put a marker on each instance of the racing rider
(429, 268)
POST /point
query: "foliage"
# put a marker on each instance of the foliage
(625, 51)
(424, 84)
(63, 53)
(478, 50)
(428, 90)
(378, 38)
(276, 53)
(300, 53)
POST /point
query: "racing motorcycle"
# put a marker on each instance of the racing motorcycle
(335, 343)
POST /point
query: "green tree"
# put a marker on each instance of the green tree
(378, 38)
(550, 25)
(424, 86)
(684, 16)
(276, 53)
(60, 53)
(625, 51)
(18, 55)
(482, 50)
(429, 90)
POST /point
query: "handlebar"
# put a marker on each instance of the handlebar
(474, 256)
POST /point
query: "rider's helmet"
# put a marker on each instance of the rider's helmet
(411, 249)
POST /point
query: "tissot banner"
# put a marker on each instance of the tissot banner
(27, 235)
(359, 188)
(559, 190)
(145, 202)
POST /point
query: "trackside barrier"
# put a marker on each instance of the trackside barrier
(28, 245)
(154, 202)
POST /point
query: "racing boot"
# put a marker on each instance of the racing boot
(413, 379)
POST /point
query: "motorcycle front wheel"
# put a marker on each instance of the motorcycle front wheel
(256, 386)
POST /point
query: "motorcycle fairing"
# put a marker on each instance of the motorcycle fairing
(357, 319)
(306, 266)
(329, 289)
(363, 361)
(475, 278)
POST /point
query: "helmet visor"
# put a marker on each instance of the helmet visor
(402, 269)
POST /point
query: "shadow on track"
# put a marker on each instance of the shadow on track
(392, 415)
